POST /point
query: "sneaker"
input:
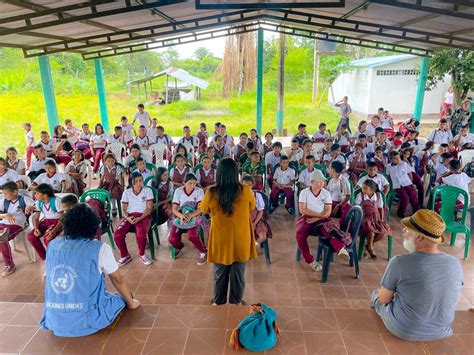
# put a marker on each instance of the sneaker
(124, 261)
(146, 260)
(8, 270)
(4, 235)
(316, 266)
(202, 258)
(343, 253)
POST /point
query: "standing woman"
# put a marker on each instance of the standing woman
(231, 237)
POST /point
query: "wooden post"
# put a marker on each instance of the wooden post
(315, 73)
(281, 84)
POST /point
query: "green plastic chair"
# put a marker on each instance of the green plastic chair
(104, 197)
(199, 166)
(362, 238)
(154, 226)
(449, 196)
(119, 204)
(323, 168)
(171, 166)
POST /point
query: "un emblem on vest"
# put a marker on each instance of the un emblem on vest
(63, 279)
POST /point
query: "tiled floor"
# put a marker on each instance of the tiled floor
(176, 318)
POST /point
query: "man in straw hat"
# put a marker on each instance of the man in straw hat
(419, 290)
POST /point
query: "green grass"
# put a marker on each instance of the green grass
(240, 113)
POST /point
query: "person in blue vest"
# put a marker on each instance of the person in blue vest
(76, 301)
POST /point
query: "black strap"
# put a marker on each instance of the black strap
(424, 231)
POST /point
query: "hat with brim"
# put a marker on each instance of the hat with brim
(428, 224)
(317, 175)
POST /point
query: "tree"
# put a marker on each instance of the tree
(458, 63)
(170, 57)
(201, 53)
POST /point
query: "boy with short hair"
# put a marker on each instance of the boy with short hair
(142, 139)
(188, 139)
(305, 175)
(37, 165)
(334, 155)
(249, 149)
(442, 134)
(142, 169)
(379, 179)
(464, 140)
(296, 154)
(455, 177)
(127, 130)
(14, 209)
(283, 181)
(321, 135)
(272, 159)
(442, 166)
(117, 137)
(343, 137)
(255, 167)
(51, 177)
(151, 132)
(142, 117)
(301, 135)
(339, 187)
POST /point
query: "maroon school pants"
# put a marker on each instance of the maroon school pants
(43, 226)
(98, 152)
(29, 153)
(193, 236)
(304, 230)
(419, 187)
(288, 191)
(407, 195)
(5, 246)
(141, 231)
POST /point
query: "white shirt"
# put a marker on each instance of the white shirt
(386, 122)
(379, 179)
(30, 139)
(440, 169)
(85, 136)
(145, 173)
(272, 159)
(193, 141)
(262, 147)
(305, 177)
(259, 203)
(225, 149)
(82, 168)
(376, 198)
(75, 131)
(320, 136)
(37, 165)
(54, 181)
(284, 177)
(48, 146)
(315, 203)
(297, 155)
(449, 98)
(374, 145)
(137, 202)
(181, 197)
(127, 132)
(99, 138)
(142, 118)
(339, 158)
(469, 138)
(339, 188)
(365, 133)
(370, 131)
(112, 139)
(461, 180)
(21, 165)
(118, 171)
(399, 174)
(165, 139)
(143, 142)
(130, 158)
(106, 263)
(342, 140)
(15, 210)
(151, 132)
(440, 137)
(10, 175)
(48, 212)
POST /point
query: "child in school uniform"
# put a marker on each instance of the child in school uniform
(357, 163)
(97, 146)
(164, 186)
(272, 159)
(387, 124)
(202, 137)
(142, 117)
(407, 156)
(321, 135)
(380, 159)
(142, 169)
(37, 165)
(442, 134)
(424, 158)
(455, 177)
(249, 149)
(442, 166)
(343, 137)
(373, 174)
(187, 215)
(164, 138)
(334, 155)
(77, 170)
(301, 136)
(6, 174)
(131, 159)
(117, 137)
(189, 139)
(307, 150)
(283, 181)
(340, 189)
(255, 167)
(128, 131)
(179, 171)
(361, 129)
(143, 140)
(52, 177)
(239, 148)
(400, 174)
(304, 177)
(16, 164)
(221, 147)
(14, 209)
(267, 146)
(259, 214)
(137, 206)
(49, 227)
(374, 225)
(255, 139)
(295, 155)
(206, 175)
(111, 179)
(152, 131)
(464, 140)
(408, 125)
(371, 127)
(30, 142)
(83, 141)
(182, 149)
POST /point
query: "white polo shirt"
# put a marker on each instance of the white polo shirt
(284, 177)
(469, 138)
(15, 210)
(49, 146)
(320, 136)
(75, 131)
(339, 188)
(461, 180)
(21, 165)
(180, 196)
(379, 179)
(314, 202)
(399, 174)
(193, 141)
(376, 198)
(48, 211)
(54, 181)
(85, 136)
(143, 142)
(30, 139)
(259, 203)
(142, 118)
(10, 175)
(297, 155)
(99, 138)
(37, 165)
(305, 177)
(342, 140)
(127, 132)
(439, 137)
(137, 202)
(272, 159)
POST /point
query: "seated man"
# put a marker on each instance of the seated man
(419, 291)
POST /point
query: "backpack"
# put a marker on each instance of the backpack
(52, 204)
(21, 200)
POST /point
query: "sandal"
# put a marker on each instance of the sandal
(371, 253)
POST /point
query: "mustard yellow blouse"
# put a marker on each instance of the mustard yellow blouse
(231, 238)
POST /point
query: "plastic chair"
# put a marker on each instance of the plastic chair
(117, 149)
(265, 246)
(22, 236)
(466, 156)
(153, 227)
(25, 179)
(160, 152)
(89, 172)
(148, 181)
(119, 204)
(449, 196)
(387, 218)
(102, 196)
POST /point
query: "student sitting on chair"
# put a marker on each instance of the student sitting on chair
(164, 186)
(245, 157)
(305, 175)
(258, 214)
(239, 148)
(380, 159)
(51, 177)
(321, 135)
(267, 146)
(179, 170)
(272, 159)
(357, 163)
(442, 134)
(334, 155)
(340, 189)
(142, 169)
(206, 175)
(295, 155)
(255, 168)
(111, 179)
(77, 170)
(455, 177)
(379, 179)
(143, 140)
(464, 140)
(283, 181)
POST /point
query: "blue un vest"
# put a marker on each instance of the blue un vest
(76, 300)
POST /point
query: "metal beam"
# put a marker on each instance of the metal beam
(60, 13)
(261, 5)
(425, 8)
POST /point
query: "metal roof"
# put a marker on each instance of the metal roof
(179, 74)
(379, 61)
(101, 28)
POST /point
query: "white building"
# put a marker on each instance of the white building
(389, 82)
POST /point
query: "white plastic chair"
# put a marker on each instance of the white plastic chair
(89, 172)
(117, 149)
(160, 152)
(29, 253)
(191, 152)
(147, 155)
(61, 195)
(25, 179)
(466, 156)
(317, 150)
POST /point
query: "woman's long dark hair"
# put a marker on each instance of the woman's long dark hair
(227, 185)
(157, 180)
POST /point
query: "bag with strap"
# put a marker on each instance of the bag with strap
(258, 331)
(21, 201)
(52, 204)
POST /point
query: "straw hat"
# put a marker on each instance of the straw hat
(428, 224)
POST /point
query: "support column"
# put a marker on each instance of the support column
(99, 79)
(281, 85)
(259, 80)
(48, 92)
(420, 90)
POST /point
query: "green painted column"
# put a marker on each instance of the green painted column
(48, 92)
(420, 91)
(259, 80)
(99, 79)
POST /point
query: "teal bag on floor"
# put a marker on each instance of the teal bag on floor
(256, 332)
